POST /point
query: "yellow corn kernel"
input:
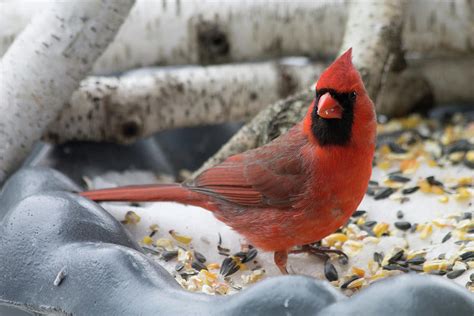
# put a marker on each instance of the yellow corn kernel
(443, 199)
(213, 266)
(208, 276)
(360, 221)
(413, 253)
(358, 271)
(384, 150)
(147, 240)
(439, 222)
(465, 181)
(437, 190)
(425, 187)
(164, 243)
(384, 165)
(380, 229)
(180, 238)
(435, 265)
(393, 184)
(462, 194)
(431, 163)
(470, 156)
(456, 156)
(408, 166)
(426, 231)
(331, 240)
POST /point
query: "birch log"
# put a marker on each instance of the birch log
(373, 56)
(222, 31)
(124, 109)
(44, 66)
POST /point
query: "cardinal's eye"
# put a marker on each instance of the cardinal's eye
(353, 95)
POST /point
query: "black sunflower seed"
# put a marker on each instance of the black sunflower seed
(416, 268)
(454, 274)
(383, 193)
(352, 279)
(358, 213)
(373, 183)
(370, 223)
(466, 215)
(432, 181)
(197, 265)
(410, 190)
(378, 257)
(397, 256)
(467, 255)
(370, 191)
(446, 237)
(398, 178)
(471, 277)
(199, 256)
(399, 214)
(330, 271)
(413, 227)
(396, 149)
(438, 272)
(441, 256)
(250, 255)
(169, 255)
(229, 267)
(416, 260)
(391, 267)
(179, 267)
(403, 225)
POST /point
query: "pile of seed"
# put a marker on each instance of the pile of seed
(376, 249)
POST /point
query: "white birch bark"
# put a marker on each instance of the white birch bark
(44, 66)
(170, 32)
(142, 103)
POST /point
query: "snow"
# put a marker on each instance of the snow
(205, 229)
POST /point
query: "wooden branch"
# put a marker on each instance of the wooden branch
(43, 67)
(140, 104)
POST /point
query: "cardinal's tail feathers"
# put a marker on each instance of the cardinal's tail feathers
(143, 193)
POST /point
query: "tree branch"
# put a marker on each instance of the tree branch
(138, 105)
(43, 67)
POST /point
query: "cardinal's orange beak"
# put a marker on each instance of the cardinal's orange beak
(329, 108)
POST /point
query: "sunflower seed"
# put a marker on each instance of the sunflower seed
(397, 256)
(199, 256)
(410, 190)
(403, 225)
(398, 178)
(229, 267)
(416, 260)
(352, 278)
(198, 266)
(392, 267)
(169, 255)
(378, 257)
(446, 237)
(383, 193)
(330, 271)
(467, 255)
(250, 255)
(358, 213)
(432, 181)
(399, 214)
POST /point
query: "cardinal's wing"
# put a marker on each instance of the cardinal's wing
(271, 175)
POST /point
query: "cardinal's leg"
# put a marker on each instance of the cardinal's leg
(321, 252)
(280, 258)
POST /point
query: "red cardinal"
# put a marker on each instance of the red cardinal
(297, 189)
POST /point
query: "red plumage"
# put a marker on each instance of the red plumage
(294, 190)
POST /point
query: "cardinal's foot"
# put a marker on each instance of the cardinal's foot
(280, 258)
(321, 252)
